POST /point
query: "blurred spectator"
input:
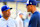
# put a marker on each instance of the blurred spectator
(26, 20)
(19, 20)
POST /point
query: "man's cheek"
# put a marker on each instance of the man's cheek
(6, 12)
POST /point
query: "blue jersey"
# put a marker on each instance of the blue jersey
(34, 21)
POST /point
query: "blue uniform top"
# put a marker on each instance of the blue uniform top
(34, 21)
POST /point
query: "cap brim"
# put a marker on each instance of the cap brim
(11, 8)
(7, 9)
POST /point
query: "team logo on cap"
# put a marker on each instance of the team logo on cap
(30, 2)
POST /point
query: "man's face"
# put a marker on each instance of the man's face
(21, 15)
(29, 8)
(6, 13)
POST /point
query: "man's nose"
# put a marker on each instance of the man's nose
(8, 11)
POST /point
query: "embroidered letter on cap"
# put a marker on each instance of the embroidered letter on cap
(30, 2)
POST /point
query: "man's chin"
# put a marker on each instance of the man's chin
(8, 16)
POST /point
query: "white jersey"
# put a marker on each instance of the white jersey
(19, 22)
(7, 23)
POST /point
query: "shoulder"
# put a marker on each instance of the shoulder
(1, 19)
(35, 16)
(12, 20)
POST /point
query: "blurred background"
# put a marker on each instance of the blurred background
(18, 5)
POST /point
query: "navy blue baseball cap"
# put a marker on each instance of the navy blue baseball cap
(30, 2)
(5, 7)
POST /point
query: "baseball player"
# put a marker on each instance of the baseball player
(6, 21)
(34, 21)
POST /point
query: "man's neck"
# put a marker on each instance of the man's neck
(34, 10)
(6, 18)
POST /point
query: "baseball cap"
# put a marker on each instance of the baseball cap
(30, 2)
(5, 7)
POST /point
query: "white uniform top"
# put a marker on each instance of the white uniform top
(7, 23)
(19, 22)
